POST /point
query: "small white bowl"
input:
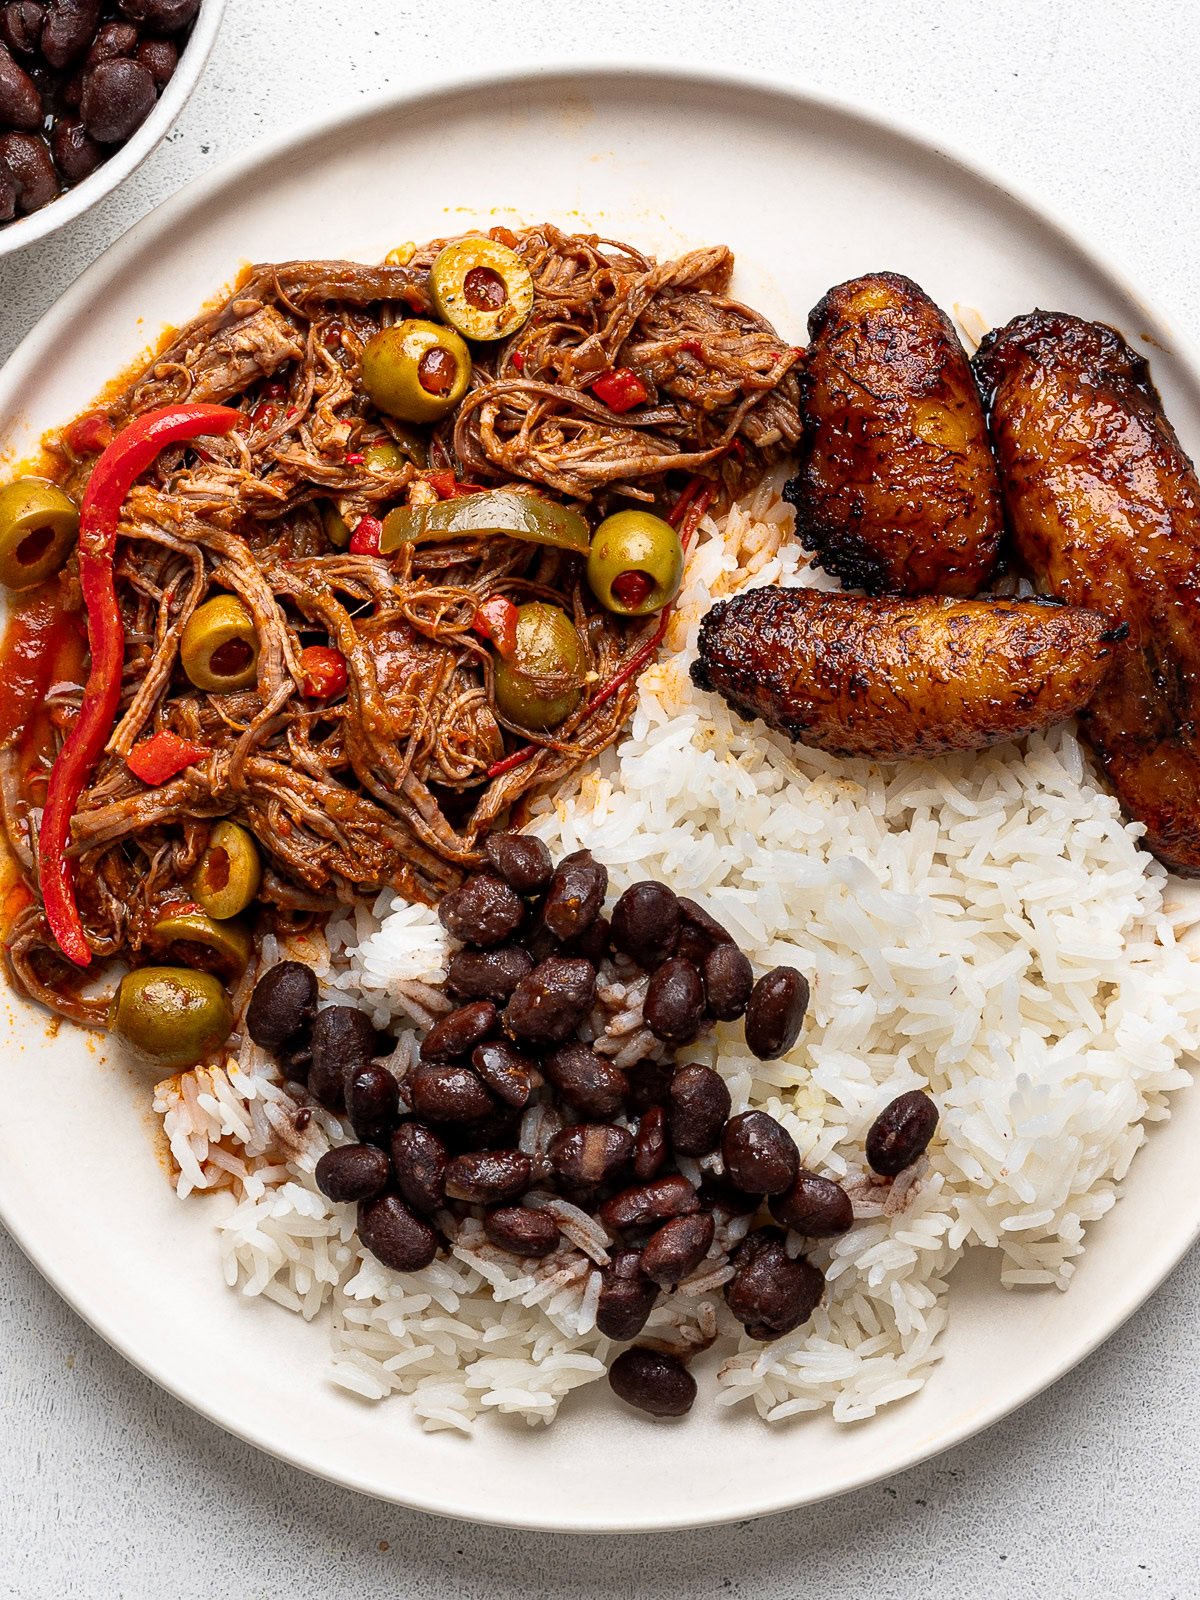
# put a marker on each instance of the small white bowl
(74, 202)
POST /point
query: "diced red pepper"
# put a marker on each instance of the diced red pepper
(364, 541)
(354, 458)
(496, 620)
(123, 461)
(322, 672)
(274, 391)
(447, 486)
(518, 360)
(91, 434)
(620, 390)
(693, 348)
(164, 755)
(264, 415)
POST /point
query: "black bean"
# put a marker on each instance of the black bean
(164, 16)
(650, 1083)
(343, 1039)
(589, 1153)
(703, 924)
(372, 1100)
(71, 92)
(393, 1234)
(21, 26)
(677, 1248)
(901, 1132)
(28, 159)
(645, 1203)
(588, 1082)
(522, 1231)
(650, 1147)
(499, 1130)
(419, 1161)
(815, 1206)
(68, 29)
(488, 1177)
(488, 974)
(697, 1105)
(509, 1075)
(449, 1094)
(653, 1382)
(547, 1006)
(20, 102)
(160, 58)
(521, 860)
(8, 193)
(674, 1004)
(484, 911)
(775, 1013)
(626, 1297)
(575, 895)
(458, 1032)
(720, 1196)
(592, 944)
(728, 982)
(646, 922)
(760, 1155)
(283, 1002)
(353, 1172)
(769, 1293)
(75, 153)
(114, 39)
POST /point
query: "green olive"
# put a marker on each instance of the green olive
(219, 648)
(337, 529)
(416, 371)
(635, 565)
(172, 1016)
(191, 937)
(38, 527)
(229, 872)
(541, 685)
(384, 457)
(481, 288)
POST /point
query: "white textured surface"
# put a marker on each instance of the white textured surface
(111, 1487)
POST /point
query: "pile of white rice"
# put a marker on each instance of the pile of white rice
(984, 927)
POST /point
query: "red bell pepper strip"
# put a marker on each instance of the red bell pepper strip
(125, 459)
(90, 434)
(698, 496)
(323, 672)
(496, 619)
(164, 755)
(364, 541)
(620, 390)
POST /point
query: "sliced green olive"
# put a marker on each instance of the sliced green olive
(384, 457)
(337, 529)
(508, 511)
(482, 288)
(219, 648)
(635, 565)
(191, 937)
(172, 1016)
(229, 872)
(417, 371)
(39, 525)
(542, 683)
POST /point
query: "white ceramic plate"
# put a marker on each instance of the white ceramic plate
(129, 156)
(808, 193)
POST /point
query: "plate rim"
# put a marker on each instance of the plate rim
(579, 75)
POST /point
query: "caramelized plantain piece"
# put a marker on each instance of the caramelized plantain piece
(896, 490)
(1105, 511)
(890, 678)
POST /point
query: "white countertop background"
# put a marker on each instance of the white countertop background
(108, 1486)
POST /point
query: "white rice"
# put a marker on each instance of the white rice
(984, 926)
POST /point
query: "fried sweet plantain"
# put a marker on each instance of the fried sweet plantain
(891, 678)
(1104, 507)
(896, 490)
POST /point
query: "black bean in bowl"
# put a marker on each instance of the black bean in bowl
(77, 79)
